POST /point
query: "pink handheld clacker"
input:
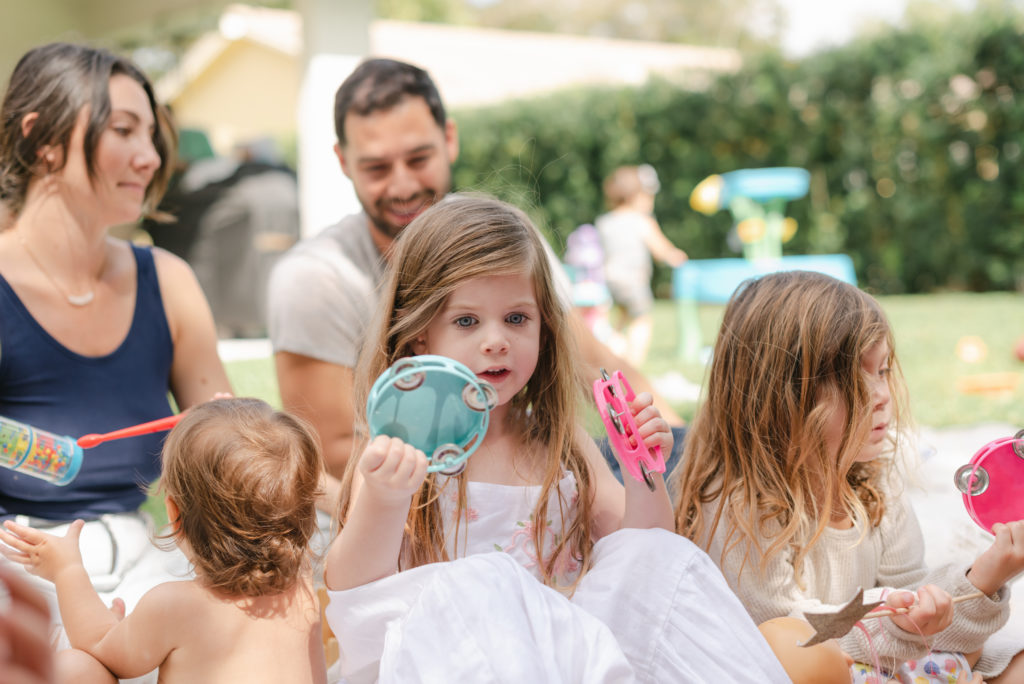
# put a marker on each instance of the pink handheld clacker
(613, 395)
(992, 484)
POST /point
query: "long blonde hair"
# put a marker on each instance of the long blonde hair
(461, 238)
(787, 356)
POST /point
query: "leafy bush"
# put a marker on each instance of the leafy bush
(913, 139)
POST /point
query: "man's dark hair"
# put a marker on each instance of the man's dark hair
(380, 84)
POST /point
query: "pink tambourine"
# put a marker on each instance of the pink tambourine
(993, 482)
(612, 396)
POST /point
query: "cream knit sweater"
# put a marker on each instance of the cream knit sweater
(891, 555)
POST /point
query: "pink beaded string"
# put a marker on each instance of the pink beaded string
(889, 612)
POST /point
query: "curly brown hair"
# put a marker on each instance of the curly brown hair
(244, 478)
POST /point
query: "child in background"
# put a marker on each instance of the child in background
(631, 236)
(469, 280)
(789, 484)
(240, 481)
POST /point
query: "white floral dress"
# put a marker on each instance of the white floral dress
(652, 608)
(500, 518)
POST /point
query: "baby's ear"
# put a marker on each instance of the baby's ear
(173, 513)
(419, 345)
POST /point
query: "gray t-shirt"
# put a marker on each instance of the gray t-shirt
(623, 237)
(322, 292)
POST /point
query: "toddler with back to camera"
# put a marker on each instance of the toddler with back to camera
(239, 482)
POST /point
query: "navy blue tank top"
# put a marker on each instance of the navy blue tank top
(48, 386)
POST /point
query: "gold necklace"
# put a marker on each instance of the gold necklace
(72, 299)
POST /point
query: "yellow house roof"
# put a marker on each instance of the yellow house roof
(244, 79)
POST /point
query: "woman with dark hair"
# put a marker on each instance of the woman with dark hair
(95, 333)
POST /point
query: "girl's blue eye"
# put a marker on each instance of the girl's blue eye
(464, 321)
(516, 318)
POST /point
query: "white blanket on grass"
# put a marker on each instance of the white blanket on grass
(653, 608)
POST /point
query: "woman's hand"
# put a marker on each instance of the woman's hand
(42, 554)
(1002, 561)
(929, 611)
(392, 470)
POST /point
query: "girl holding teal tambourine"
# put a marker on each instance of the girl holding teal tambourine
(421, 555)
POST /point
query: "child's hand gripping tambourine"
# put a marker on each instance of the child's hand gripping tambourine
(435, 404)
(613, 396)
(993, 482)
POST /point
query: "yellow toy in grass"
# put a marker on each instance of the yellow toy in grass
(757, 200)
(971, 349)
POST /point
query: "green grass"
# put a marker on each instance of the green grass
(927, 329)
(255, 378)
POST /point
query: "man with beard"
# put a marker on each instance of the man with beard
(396, 145)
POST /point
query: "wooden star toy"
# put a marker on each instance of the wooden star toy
(838, 623)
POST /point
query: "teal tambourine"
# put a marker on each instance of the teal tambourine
(435, 404)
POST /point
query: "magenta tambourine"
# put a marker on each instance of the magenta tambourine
(613, 396)
(993, 482)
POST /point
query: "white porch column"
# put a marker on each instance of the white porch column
(336, 37)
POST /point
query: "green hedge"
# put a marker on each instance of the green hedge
(913, 140)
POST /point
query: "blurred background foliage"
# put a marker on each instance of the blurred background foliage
(740, 24)
(913, 138)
